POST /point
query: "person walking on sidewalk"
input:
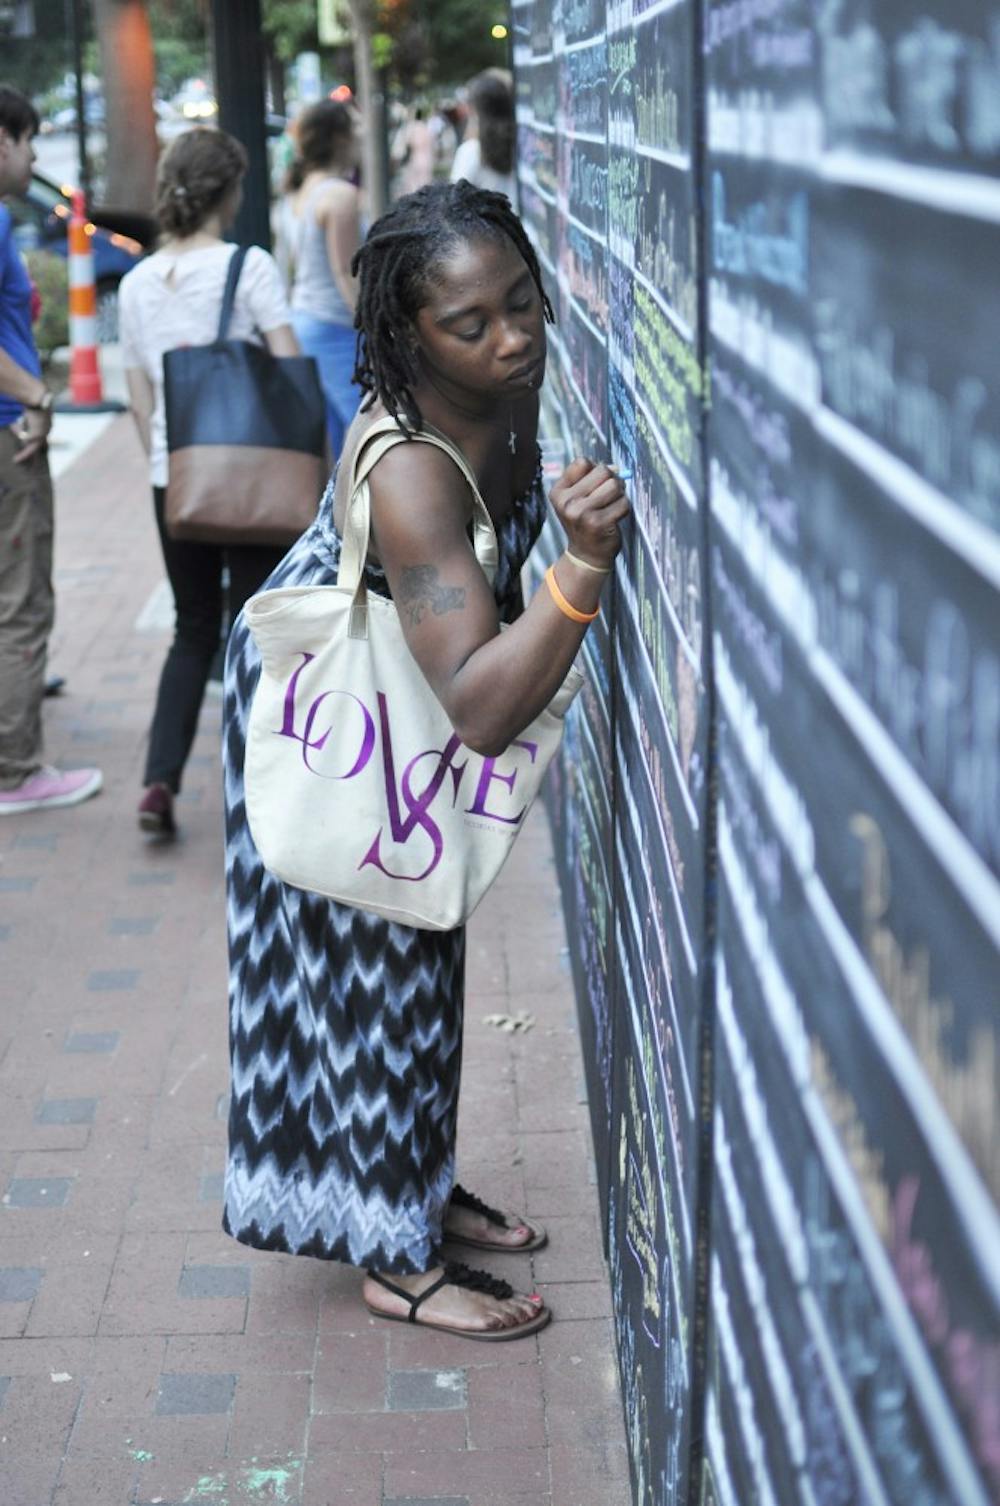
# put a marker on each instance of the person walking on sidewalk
(486, 155)
(323, 231)
(412, 151)
(26, 513)
(174, 298)
(345, 1028)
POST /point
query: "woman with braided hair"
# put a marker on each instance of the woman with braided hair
(345, 1027)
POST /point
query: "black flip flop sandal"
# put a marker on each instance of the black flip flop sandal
(477, 1281)
(463, 1199)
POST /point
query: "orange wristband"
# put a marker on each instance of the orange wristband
(565, 607)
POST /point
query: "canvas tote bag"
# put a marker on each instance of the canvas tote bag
(357, 787)
(246, 438)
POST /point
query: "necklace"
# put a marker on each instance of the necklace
(485, 418)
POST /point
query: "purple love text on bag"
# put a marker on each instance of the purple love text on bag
(418, 807)
(309, 743)
(486, 778)
(418, 803)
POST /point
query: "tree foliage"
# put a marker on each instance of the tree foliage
(290, 27)
(442, 43)
(38, 64)
(426, 45)
(50, 275)
(180, 42)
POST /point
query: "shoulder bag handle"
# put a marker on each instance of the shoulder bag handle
(236, 261)
(383, 436)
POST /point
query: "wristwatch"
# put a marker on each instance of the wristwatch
(44, 404)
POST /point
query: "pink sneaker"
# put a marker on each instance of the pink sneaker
(50, 787)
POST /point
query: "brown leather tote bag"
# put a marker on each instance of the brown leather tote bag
(246, 437)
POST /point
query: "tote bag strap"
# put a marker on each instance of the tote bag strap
(381, 437)
(236, 261)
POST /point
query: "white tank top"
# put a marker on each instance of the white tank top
(315, 291)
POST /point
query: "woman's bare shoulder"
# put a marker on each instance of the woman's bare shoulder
(411, 476)
(421, 504)
(361, 425)
(336, 197)
(417, 474)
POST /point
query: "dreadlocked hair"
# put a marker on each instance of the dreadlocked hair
(394, 267)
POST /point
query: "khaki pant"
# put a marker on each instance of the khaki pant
(26, 608)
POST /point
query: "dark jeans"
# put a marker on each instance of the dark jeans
(195, 575)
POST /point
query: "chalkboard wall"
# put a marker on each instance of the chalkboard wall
(771, 233)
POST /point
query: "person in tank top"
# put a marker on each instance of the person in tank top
(323, 229)
(346, 1028)
(486, 155)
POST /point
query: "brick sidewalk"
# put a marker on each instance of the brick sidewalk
(145, 1357)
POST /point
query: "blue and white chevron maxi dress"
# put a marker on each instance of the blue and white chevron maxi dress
(345, 1030)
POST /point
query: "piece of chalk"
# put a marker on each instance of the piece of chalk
(625, 473)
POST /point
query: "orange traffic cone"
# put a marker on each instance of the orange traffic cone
(86, 393)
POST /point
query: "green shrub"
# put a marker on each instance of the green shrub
(49, 274)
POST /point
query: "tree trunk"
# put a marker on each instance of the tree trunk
(129, 74)
(372, 106)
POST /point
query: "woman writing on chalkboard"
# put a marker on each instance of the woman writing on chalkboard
(345, 1027)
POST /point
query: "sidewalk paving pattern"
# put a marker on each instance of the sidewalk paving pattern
(145, 1358)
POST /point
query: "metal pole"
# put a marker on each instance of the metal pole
(238, 49)
(75, 9)
(372, 106)
(380, 128)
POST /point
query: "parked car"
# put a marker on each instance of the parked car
(41, 220)
(195, 101)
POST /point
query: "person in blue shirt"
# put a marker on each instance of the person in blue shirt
(26, 597)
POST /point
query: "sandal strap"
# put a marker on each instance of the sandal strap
(455, 1274)
(463, 1199)
(414, 1301)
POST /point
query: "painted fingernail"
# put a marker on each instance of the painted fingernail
(534, 1297)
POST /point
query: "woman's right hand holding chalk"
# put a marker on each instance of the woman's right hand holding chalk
(590, 503)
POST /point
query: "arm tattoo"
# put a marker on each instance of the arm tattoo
(419, 589)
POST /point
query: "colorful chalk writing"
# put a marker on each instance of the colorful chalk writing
(770, 230)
